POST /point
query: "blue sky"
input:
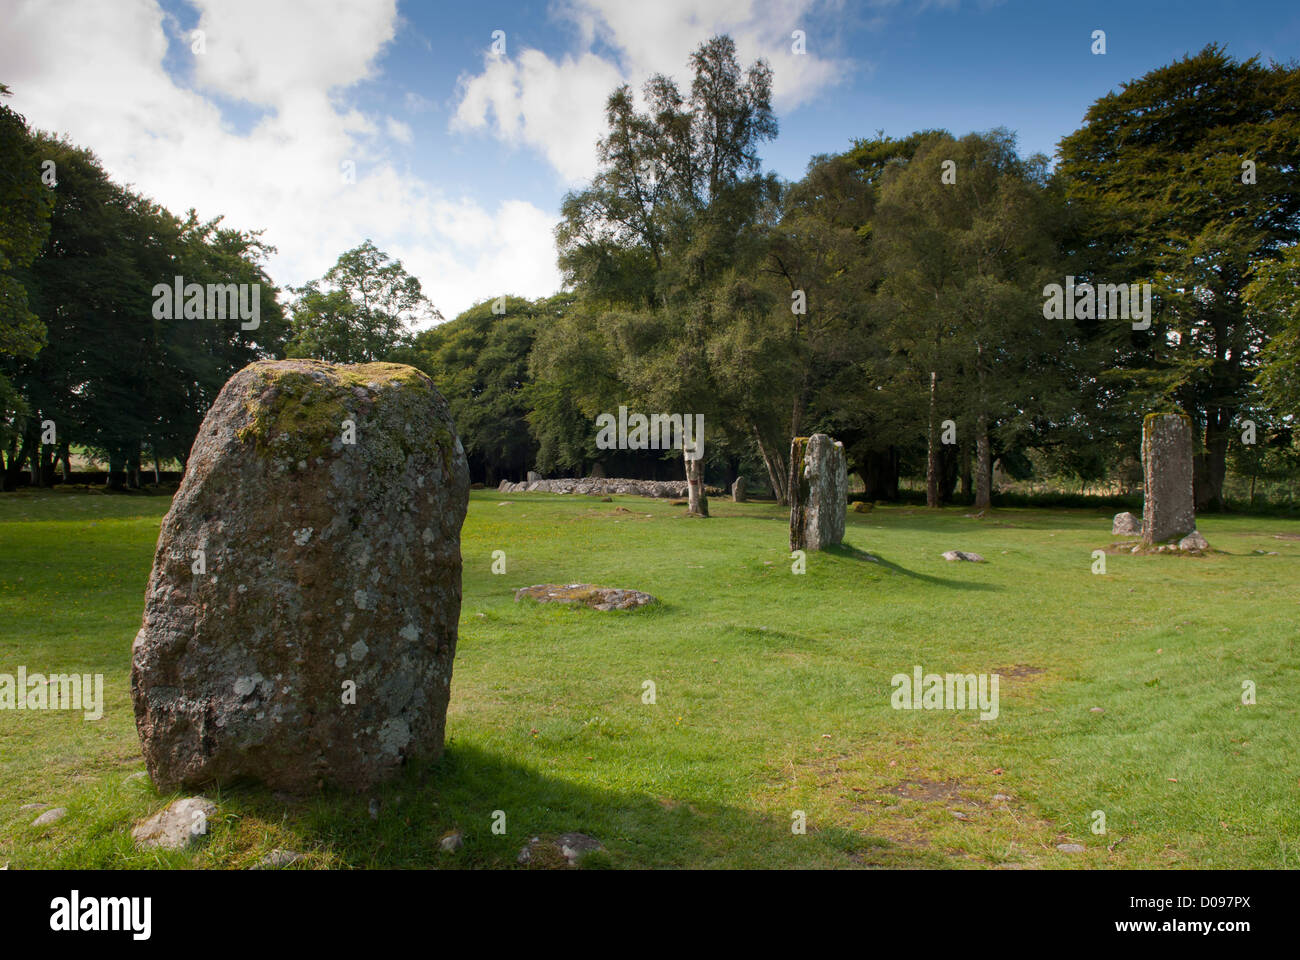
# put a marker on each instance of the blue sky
(461, 157)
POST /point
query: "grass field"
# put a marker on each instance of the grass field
(772, 696)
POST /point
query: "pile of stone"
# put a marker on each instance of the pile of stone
(604, 486)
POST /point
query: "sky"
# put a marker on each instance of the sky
(329, 122)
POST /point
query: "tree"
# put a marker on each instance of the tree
(118, 376)
(670, 214)
(1273, 300)
(1186, 178)
(963, 233)
(25, 204)
(361, 310)
(480, 361)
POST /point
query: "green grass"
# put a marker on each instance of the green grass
(773, 695)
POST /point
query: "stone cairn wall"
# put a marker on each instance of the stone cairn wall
(604, 487)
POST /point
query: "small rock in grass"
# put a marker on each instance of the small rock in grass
(1125, 525)
(963, 555)
(1193, 542)
(53, 815)
(278, 859)
(958, 815)
(452, 842)
(567, 849)
(33, 806)
(1070, 847)
(1096, 710)
(177, 826)
(1000, 798)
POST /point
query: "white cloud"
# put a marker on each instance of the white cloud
(399, 131)
(95, 71)
(557, 106)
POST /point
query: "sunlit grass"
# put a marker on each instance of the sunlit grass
(772, 689)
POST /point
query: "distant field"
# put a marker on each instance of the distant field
(773, 696)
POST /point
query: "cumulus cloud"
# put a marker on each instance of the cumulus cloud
(557, 105)
(101, 73)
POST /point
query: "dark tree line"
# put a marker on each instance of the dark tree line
(892, 297)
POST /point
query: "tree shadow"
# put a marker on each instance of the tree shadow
(400, 825)
(849, 552)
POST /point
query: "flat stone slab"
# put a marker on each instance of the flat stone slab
(963, 555)
(179, 825)
(597, 598)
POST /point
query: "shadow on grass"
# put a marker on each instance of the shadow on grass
(470, 788)
(849, 552)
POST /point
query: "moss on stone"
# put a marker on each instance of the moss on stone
(297, 409)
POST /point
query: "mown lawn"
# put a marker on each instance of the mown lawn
(772, 689)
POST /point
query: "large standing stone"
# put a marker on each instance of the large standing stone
(738, 491)
(819, 486)
(315, 641)
(1168, 507)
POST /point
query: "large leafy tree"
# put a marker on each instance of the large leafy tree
(115, 377)
(964, 259)
(480, 361)
(668, 220)
(1186, 178)
(363, 309)
(25, 204)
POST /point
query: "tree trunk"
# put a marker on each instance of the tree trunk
(776, 467)
(47, 464)
(697, 499)
(879, 471)
(984, 464)
(1210, 465)
(965, 469)
(932, 444)
(65, 455)
(116, 470)
(14, 462)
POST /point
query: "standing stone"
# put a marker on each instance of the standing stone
(819, 486)
(738, 490)
(316, 642)
(1168, 507)
(533, 475)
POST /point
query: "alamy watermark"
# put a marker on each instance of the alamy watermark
(946, 691)
(659, 431)
(58, 691)
(1084, 301)
(213, 301)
